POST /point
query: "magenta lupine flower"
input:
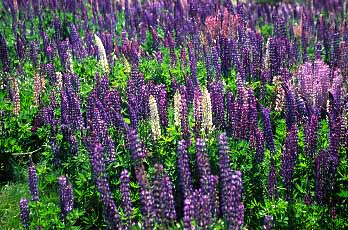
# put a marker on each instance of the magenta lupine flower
(24, 212)
(66, 196)
(33, 181)
(126, 199)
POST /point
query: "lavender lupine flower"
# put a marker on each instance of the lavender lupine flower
(272, 180)
(167, 200)
(268, 223)
(147, 199)
(99, 174)
(33, 181)
(24, 212)
(267, 129)
(126, 199)
(289, 158)
(216, 90)
(313, 82)
(66, 196)
(184, 168)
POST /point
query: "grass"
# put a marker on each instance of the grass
(10, 194)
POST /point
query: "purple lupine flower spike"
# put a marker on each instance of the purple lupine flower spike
(272, 180)
(157, 192)
(289, 158)
(99, 174)
(147, 199)
(167, 200)
(189, 211)
(267, 129)
(184, 169)
(4, 55)
(24, 212)
(33, 181)
(66, 196)
(268, 223)
(126, 199)
(216, 94)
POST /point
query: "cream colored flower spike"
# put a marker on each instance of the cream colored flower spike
(155, 121)
(102, 54)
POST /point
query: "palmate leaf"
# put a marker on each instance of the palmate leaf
(343, 194)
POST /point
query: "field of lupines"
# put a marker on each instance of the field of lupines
(165, 114)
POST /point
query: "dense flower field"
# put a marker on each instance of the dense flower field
(196, 114)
